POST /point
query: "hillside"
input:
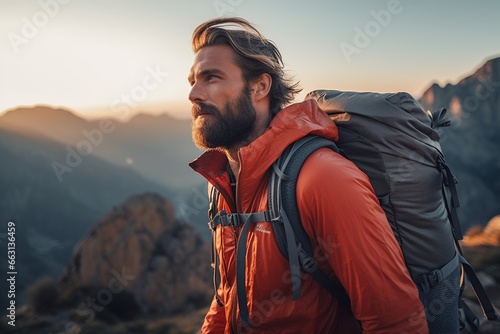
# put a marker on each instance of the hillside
(158, 147)
(51, 213)
(137, 270)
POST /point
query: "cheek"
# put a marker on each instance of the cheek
(224, 92)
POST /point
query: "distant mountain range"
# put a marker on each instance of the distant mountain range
(158, 147)
(61, 173)
(52, 215)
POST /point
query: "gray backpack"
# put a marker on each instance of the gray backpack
(394, 141)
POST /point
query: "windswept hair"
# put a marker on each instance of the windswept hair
(254, 54)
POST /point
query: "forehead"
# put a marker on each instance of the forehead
(215, 57)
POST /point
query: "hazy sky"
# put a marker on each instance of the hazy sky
(118, 57)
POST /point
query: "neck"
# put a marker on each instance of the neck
(232, 153)
(234, 162)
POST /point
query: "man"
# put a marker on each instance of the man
(239, 96)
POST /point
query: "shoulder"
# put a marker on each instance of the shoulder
(328, 167)
(327, 179)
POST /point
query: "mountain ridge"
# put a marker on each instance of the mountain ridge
(471, 143)
(52, 214)
(56, 217)
(153, 145)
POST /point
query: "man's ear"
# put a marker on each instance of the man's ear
(260, 87)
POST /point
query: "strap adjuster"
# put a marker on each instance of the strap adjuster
(219, 218)
(308, 263)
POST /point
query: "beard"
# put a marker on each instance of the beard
(224, 129)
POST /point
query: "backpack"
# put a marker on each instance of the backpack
(395, 143)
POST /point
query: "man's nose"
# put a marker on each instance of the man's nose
(196, 94)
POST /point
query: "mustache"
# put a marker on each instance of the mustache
(203, 108)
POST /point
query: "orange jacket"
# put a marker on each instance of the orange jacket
(350, 235)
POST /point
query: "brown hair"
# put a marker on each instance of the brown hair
(253, 53)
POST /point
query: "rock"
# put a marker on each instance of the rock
(493, 226)
(471, 143)
(489, 236)
(139, 258)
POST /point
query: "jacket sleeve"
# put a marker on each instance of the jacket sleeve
(215, 320)
(341, 213)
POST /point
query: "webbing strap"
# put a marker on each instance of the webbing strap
(215, 265)
(451, 183)
(439, 119)
(471, 321)
(236, 219)
(240, 274)
(212, 211)
(311, 267)
(293, 256)
(428, 281)
(467, 270)
(241, 262)
(292, 245)
(290, 235)
(482, 296)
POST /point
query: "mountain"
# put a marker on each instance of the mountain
(158, 147)
(472, 143)
(52, 210)
(162, 262)
(55, 123)
(137, 270)
(61, 173)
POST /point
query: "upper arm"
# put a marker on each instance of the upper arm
(337, 204)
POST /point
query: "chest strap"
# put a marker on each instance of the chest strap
(246, 219)
(236, 219)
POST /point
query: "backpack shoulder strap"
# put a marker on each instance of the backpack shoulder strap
(213, 201)
(292, 239)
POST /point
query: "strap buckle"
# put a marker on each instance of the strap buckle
(308, 263)
(219, 218)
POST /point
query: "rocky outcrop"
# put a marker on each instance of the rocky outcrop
(471, 144)
(139, 254)
(489, 236)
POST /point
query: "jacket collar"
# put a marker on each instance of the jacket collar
(289, 125)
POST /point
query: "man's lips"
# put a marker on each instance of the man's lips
(197, 112)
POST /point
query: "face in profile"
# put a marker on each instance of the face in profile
(222, 111)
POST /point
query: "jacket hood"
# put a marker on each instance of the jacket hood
(289, 125)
